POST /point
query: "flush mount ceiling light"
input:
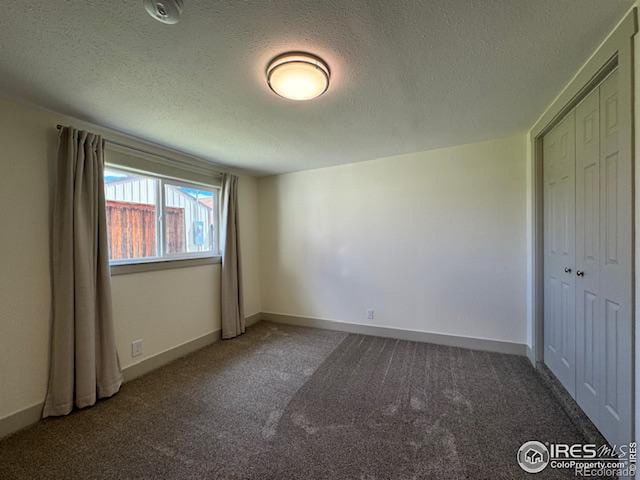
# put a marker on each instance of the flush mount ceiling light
(298, 76)
(165, 11)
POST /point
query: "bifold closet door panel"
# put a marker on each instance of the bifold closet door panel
(589, 327)
(615, 265)
(559, 200)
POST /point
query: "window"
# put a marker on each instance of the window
(152, 218)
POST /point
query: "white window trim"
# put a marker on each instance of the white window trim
(162, 261)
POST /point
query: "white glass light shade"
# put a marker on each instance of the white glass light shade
(298, 76)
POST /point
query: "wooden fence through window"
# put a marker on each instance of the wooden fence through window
(131, 229)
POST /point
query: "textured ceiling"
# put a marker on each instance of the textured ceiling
(406, 76)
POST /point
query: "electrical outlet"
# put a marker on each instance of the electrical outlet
(370, 314)
(136, 348)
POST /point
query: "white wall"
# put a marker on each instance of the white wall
(433, 241)
(165, 308)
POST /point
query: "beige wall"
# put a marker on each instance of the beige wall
(143, 308)
(433, 241)
(249, 243)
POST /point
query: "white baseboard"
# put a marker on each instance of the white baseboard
(531, 356)
(20, 419)
(32, 414)
(402, 334)
(253, 319)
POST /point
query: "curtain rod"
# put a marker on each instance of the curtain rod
(169, 159)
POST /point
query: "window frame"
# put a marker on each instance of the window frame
(216, 220)
(163, 261)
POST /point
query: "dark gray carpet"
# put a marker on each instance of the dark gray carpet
(293, 403)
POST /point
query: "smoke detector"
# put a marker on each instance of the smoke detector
(165, 11)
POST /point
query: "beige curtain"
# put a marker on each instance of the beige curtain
(84, 363)
(231, 283)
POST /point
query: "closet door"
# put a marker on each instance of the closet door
(559, 246)
(615, 313)
(588, 291)
(589, 326)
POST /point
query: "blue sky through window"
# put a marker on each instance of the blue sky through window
(111, 176)
(196, 193)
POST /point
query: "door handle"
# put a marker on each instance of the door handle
(580, 273)
(567, 270)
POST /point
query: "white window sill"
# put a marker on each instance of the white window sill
(164, 264)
